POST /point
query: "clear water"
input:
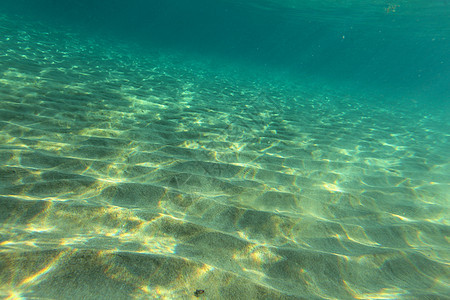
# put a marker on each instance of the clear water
(227, 150)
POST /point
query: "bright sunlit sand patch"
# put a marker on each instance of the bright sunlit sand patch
(12, 294)
(39, 228)
(75, 241)
(157, 245)
(383, 293)
(97, 132)
(112, 180)
(237, 147)
(256, 256)
(12, 245)
(358, 235)
(332, 187)
(402, 218)
(190, 145)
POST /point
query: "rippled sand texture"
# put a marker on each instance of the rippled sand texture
(141, 176)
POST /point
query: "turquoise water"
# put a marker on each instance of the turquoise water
(227, 150)
(395, 46)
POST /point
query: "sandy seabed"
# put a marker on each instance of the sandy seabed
(124, 175)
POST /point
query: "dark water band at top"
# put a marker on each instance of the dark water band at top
(399, 47)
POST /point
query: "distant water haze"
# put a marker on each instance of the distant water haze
(397, 47)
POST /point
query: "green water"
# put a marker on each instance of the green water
(255, 150)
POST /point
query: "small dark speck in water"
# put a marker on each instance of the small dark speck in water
(197, 293)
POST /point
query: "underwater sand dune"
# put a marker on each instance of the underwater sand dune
(124, 175)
